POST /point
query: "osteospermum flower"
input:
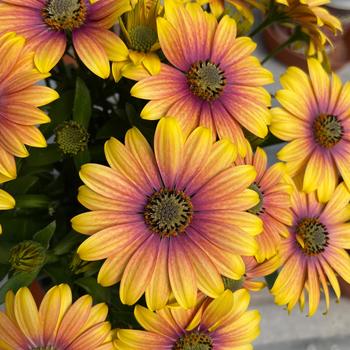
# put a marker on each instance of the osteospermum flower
(273, 207)
(139, 28)
(169, 222)
(58, 324)
(46, 23)
(19, 99)
(218, 324)
(314, 253)
(315, 118)
(6, 202)
(314, 20)
(213, 80)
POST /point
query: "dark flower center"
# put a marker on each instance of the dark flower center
(206, 80)
(45, 348)
(327, 130)
(168, 212)
(64, 14)
(194, 341)
(258, 209)
(312, 236)
(142, 38)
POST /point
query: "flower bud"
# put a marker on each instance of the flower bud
(27, 256)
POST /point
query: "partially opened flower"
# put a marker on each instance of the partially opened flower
(171, 222)
(213, 80)
(315, 119)
(139, 28)
(313, 19)
(57, 324)
(46, 24)
(219, 324)
(19, 102)
(315, 252)
(253, 279)
(6, 202)
(274, 205)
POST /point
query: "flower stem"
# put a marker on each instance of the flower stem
(294, 37)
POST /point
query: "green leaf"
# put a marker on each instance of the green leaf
(60, 110)
(68, 243)
(82, 158)
(43, 156)
(30, 201)
(21, 185)
(44, 236)
(82, 104)
(99, 293)
(18, 280)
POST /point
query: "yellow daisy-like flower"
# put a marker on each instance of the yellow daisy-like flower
(47, 24)
(315, 119)
(274, 205)
(6, 202)
(220, 324)
(314, 20)
(140, 31)
(19, 99)
(172, 221)
(315, 252)
(58, 324)
(213, 80)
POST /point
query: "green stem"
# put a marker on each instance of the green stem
(265, 23)
(294, 37)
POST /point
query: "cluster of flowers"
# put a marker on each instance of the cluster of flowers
(193, 220)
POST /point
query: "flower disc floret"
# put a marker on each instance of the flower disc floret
(206, 80)
(142, 38)
(168, 212)
(194, 341)
(64, 14)
(327, 130)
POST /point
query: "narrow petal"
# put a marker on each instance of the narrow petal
(168, 146)
(182, 278)
(91, 53)
(50, 51)
(138, 272)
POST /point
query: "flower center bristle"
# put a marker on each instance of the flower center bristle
(64, 14)
(45, 348)
(71, 137)
(327, 130)
(312, 236)
(258, 209)
(206, 80)
(194, 341)
(168, 212)
(142, 38)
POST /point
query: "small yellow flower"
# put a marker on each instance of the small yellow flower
(139, 28)
(58, 324)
